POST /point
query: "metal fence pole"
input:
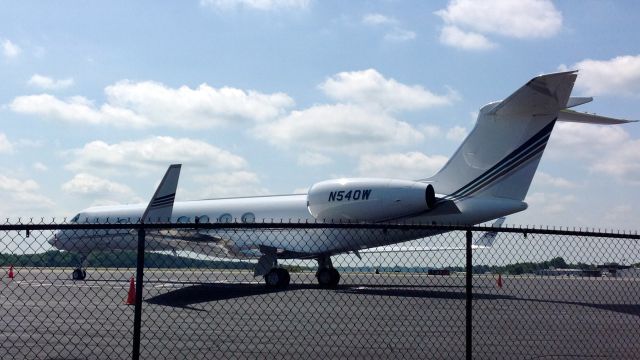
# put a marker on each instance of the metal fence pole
(469, 292)
(137, 318)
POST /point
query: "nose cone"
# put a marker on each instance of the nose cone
(54, 240)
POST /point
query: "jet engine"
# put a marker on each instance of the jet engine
(369, 200)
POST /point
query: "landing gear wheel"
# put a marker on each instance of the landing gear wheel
(328, 277)
(79, 274)
(277, 277)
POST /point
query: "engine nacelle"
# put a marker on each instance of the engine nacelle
(369, 199)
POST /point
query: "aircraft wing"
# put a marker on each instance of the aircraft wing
(194, 241)
(483, 242)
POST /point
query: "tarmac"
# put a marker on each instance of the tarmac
(212, 314)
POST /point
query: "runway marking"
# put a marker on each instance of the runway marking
(48, 284)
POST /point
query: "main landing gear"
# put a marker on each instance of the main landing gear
(277, 278)
(327, 275)
(274, 276)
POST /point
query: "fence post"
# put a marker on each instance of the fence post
(469, 292)
(137, 318)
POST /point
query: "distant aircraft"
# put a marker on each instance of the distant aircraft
(486, 178)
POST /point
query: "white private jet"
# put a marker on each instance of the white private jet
(486, 178)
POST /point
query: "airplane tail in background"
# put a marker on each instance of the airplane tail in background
(501, 154)
(161, 205)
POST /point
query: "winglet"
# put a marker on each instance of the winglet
(161, 205)
(486, 240)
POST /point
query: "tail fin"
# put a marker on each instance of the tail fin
(161, 205)
(486, 240)
(502, 152)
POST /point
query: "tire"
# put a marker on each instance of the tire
(277, 278)
(77, 274)
(335, 277)
(272, 278)
(284, 278)
(328, 277)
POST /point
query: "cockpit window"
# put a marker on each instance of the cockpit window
(75, 219)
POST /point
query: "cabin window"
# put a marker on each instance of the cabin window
(248, 218)
(183, 219)
(225, 218)
(202, 219)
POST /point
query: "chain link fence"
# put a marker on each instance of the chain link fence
(192, 293)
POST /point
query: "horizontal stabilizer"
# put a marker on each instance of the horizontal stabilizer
(579, 117)
(575, 101)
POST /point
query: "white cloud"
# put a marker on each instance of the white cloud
(369, 87)
(149, 154)
(467, 21)
(544, 179)
(40, 166)
(399, 35)
(147, 103)
(375, 19)
(29, 143)
(309, 158)
(264, 5)
(432, 131)
(47, 83)
(9, 49)
(457, 133)
(453, 36)
(6, 147)
(87, 185)
(609, 150)
(550, 203)
(621, 216)
(617, 76)
(585, 140)
(21, 197)
(395, 34)
(411, 165)
(622, 163)
(13, 184)
(340, 127)
(78, 110)
(229, 184)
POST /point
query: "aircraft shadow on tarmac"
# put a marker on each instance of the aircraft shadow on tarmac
(209, 292)
(203, 292)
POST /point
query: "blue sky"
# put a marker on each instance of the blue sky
(269, 96)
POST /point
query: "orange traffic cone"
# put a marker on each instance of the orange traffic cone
(11, 275)
(131, 297)
(499, 282)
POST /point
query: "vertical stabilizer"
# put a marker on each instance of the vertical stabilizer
(502, 152)
(161, 205)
